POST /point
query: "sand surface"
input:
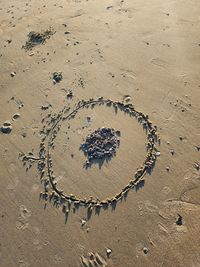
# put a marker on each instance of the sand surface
(149, 50)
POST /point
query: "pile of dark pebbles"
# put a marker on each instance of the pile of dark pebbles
(100, 144)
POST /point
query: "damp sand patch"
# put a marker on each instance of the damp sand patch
(37, 38)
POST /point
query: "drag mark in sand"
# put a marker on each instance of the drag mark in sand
(44, 159)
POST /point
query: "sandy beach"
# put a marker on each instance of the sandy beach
(70, 68)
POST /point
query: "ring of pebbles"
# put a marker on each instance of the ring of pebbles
(100, 144)
(50, 131)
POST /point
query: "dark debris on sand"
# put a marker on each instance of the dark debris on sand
(37, 38)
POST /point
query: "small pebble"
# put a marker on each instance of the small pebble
(88, 118)
(13, 73)
(197, 166)
(16, 116)
(179, 220)
(145, 250)
(127, 99)
(198, 147)
(70, 94)
(108, 252)
(83, 222)
(57, 77)
(6, 128)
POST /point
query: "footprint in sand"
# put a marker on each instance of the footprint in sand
(23, 219)
(12, 168)
(78, 13)
(35, 188)
(163, 228)
(129, 74)
(141, 249)
(150, 207)
(36, 230)
(93, 260)
(191, 195)
(13, 184)
(165, 191)
(24, 212)
(36, 243)
(23, 263)
(58, 258)
(159, 62)
(146, 206)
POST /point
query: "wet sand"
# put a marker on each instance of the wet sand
(132, 52)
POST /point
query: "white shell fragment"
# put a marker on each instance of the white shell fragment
(158, 153)
(108, 251)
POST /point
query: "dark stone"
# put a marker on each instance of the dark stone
(179, 220)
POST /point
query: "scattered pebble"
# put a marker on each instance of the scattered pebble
(6, 128)
(179, 220)
(127, 98)
(145, 250)
(109, 7)
(69, 94)
(198, 147)
(108, 252)
(45, 106)
(83, 222)
(16, 116)
(197, 166)
(158, 153)
(88, 118)
(13, 73)
(167, 168)
(57, 77)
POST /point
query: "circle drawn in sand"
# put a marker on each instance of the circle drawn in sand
(45, 166)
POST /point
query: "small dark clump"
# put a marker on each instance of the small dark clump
(37, 38)
(179, 220)
(57, 77)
